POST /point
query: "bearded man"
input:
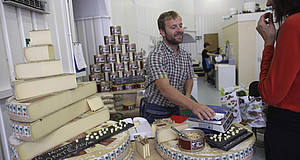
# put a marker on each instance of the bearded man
(170, 74)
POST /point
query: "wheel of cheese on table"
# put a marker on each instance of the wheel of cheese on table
(243, 151)
(117, 147)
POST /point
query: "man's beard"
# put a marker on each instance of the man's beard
(172, 40)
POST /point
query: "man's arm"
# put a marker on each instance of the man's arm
(179, 99)
(188, 86)
(211, 54)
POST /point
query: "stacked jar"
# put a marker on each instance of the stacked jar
(117, 58)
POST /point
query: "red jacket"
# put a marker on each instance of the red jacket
(279, 83)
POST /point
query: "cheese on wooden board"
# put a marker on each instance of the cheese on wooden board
(32, 131)
(40, 37)
(38, 69)
(39, 53)
(32, 109)
(28, 150)
(166, 134)
(41, 86)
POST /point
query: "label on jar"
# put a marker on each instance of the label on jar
(111, 58)
(124, 57)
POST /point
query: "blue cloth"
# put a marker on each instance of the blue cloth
(207, 63)
(153, 111)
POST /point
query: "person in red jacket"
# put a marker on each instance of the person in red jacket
(279, 82)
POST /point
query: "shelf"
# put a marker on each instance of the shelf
(39, 6)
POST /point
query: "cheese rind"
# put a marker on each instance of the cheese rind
(32, 109)
(38, 69)
(28, 150)
(41, 86)
(39, 53)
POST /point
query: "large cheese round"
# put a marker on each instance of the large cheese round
(170, 150)
(116, 147)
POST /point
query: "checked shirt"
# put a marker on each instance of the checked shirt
(162, 63)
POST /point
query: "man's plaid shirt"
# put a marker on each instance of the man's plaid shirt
(162, 63)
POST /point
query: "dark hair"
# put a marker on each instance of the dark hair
(206, 44)
(164, 17)
(285, 8)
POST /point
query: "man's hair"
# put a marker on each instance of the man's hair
(285, 8)
(206, 44)
(164, 17)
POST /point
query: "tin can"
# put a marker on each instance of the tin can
(129, 86)
(132, 65)
(128, 105)
(115, 30)
(117, 87)
(190, 143)
(140, 72)
(111, 58)
(109, 40)
(104, 87)
(140, 85)
(124, 57)
(138, 56)
(95, 68)
(106, 67)
(120, 67)
(99, 59)
(123, 39)
(104, 49)
(116, 48)
(96, 77)
(127, 73)
(131, 47)
(113, 75)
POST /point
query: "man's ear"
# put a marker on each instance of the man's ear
(162, 32)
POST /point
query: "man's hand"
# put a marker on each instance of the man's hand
(202, 110)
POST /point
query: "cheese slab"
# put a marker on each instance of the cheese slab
(41, 86)
(40, 37)
(39, 53)
(158, 123)
(38, 69)
(28, 150)
(33, 131)
(166, 134)
(35, 108)
(95, 103)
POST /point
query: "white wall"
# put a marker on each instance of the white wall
(15, 26)
(209, 17)
(138, 18)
